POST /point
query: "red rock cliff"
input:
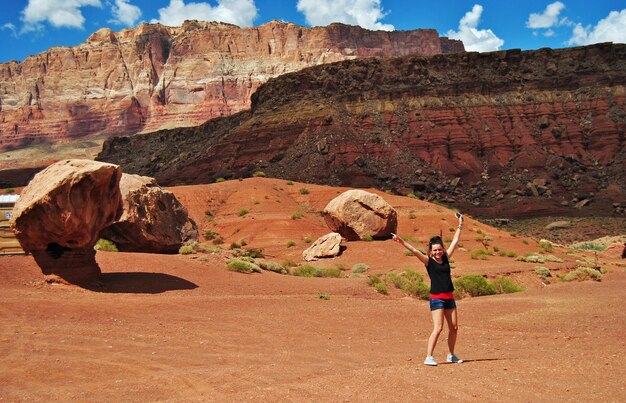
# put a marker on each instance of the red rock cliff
(154, 77)
(541, 131)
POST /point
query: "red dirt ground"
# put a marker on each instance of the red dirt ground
(183, 328)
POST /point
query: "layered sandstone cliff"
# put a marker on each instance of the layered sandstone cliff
(153, 76)
(510, 131)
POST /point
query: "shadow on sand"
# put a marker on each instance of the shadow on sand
(485, 359)
(140, 283)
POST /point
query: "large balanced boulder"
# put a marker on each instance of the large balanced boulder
(153, 221)
(60, 214)
(357, 214)
(328, 245)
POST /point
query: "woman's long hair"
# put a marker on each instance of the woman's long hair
(436, 240)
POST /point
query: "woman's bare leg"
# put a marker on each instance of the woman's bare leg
(437, 327)
(453, 327)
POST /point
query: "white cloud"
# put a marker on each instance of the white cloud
(476, 40)
(238, 12)
(10, 27)
(125, 13)
(58, 13)
(365, 13)
(549, 33)
(549, 17)
(610, 29)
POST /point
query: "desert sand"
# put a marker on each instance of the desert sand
(183, 328)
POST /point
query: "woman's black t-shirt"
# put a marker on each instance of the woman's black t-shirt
(440, 279)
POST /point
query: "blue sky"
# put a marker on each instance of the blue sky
(31, 26)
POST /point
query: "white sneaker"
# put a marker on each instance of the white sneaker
(430, 360)
(453, 359)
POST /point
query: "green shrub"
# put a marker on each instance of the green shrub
(479, 254)
(535, 258)
(412, 196)
(210, 248)
(357, 275)
(304, 191)
(323, 296)
(307, 239)
(9, 191)
(297, 215)
(546, 246)
(271, 266)
(259, 174)
(218, 241)
(505, 285)
(410, 282)
(218, 180)
(242, 266)
(312, 271)
(360, 268)
(209, 235)
(525, 241)
(251, 253)
(105, 245)
(412, 215)
(186, 250)
(243, 212)
(473, 285)
(496, 249)
(582, 274)
(552, 258)
(290, 183)
(543, 271)
(378, 284)
(588, 246)
(367, 238)
(291, 244)
(407, 252)
(208, 215)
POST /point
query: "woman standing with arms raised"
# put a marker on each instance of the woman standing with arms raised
(442, 304)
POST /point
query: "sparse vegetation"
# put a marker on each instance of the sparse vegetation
(412, 215)
(535, 258)
(588, 246)
(259, 174)
(473, 285)
(377, 284)
(218, 241)
(291, 244)
(242, 266)
(218, 180)
(407, 252)
(307, 239)
(290, 183)
(105, 245)
(367, 238)
(210, 248)
(210, 235)
(297, 215)
(479, 254)
(544, 273)
(546, 246)
(360, 268)
(186, 250)
(312, 271)
(410, 282)
(208, 215)
(505, 285)
(243, 212)
(323, 296)
(304, 191)
(9, 191)
(582, 274)
(271, 266)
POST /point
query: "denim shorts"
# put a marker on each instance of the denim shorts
(436, 303)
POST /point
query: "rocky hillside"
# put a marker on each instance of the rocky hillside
(506, 133)
(154, 77)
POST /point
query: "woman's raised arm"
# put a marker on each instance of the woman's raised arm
(423, 258)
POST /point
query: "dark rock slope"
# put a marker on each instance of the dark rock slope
(501, 133)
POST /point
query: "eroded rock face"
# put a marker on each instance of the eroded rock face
(328, 245)
(60, 214)
(356, 214)
(153, 221)
(154, 77)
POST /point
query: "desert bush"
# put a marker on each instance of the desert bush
(552, 258)
(208, 215)
(218, 241)
(412, 196)
(377, 284)
(410, 282)
(304, 191)
(290, 183)
(582, 274)
(289, 263)
(588, 246)
(473, 285)
(218, 180)
(505, 285)
(251, 253)
(324, 296)
(412, 215)
(307, 239)
(312, 271)
(291, 244)
(271, 266)
(242, 266)
(210, 248)
(360, 268)
(243, 212)
(496, 249)
(367, 238)
(209, 235)
(546, 246)
(259, 174)
(105, 245)
(479, 254)
(297, 215)
(543, 272)
(407, 252)
(535, 258)
(9, 191)
(357, 275)
(186, 250)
